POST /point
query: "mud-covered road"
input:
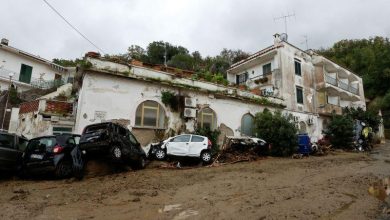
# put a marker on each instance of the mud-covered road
(331, 187)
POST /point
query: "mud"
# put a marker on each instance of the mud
(330, 187)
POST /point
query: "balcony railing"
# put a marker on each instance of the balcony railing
(47, 84)
(331, 80)
(343, 85)
(353, 90)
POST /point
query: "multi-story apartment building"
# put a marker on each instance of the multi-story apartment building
(312, 86)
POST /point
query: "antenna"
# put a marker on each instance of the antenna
(306, 41)
(284, 17)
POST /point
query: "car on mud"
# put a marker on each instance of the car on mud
(58, 154)
(12, 148)
(185, 145)
(113, 141)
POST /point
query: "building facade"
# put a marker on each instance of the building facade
(25, 70)
(133, 94)
(312, 86)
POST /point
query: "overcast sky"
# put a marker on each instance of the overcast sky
(204, 25)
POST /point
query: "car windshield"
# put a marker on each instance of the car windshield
(94, 128)
(6, 141)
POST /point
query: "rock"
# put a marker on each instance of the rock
(136, 200)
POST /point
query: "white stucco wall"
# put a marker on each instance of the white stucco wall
(11, 62)
(118, 98)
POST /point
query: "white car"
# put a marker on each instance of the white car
(188, 145)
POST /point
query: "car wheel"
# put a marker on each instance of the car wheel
(160, 154)
(140, 163)
(63, 169)
(205, 156)
(116, 153)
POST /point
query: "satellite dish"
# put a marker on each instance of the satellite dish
(283, 37)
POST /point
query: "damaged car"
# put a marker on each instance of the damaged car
(113, 141)
(185, 145)
(12, 148)
(58, 154)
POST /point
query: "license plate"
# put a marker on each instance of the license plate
(36, 156)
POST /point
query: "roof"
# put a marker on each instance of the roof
(32, 56)
(253, 56)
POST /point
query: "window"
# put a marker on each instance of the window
(207, 119)
(150, 114)
(242, 78)
(133, 140)
(267, 69)
(6, 141)
(22, 144)
(25, 73)
(42, 144)
(297, 67)
(247, 122)
(197, 138)
(299, 95)
(182, 138)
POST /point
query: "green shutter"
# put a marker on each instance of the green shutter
(25, 73)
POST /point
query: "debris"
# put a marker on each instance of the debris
(185, 214)
(168, 208)
(136, 199)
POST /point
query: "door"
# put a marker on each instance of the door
(197, 144)
(179, 145)
(25, 73)
(8, 153)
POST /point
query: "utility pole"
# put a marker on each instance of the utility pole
(11, 74)
(285, 17)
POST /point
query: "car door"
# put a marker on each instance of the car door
(8, 153)
(179, 145)
(196, 145)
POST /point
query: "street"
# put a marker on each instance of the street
(329, 187)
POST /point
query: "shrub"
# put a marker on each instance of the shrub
(278, 130)
(371, 118)
(169, 99)
(340, 131)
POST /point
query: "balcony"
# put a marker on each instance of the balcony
(353, 90)
(343, 85)
(339, 84)
(331, 80)
(329, 109)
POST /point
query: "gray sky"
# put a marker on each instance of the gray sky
(204, 25)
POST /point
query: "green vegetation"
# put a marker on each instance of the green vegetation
(369, 117)
(14, 97)
(280, 131)
(340, 131)
(170, 99)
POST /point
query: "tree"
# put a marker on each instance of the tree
(371, 118)
(278, 130)
(157, 50)
(136, 52)
(182, 61)
(340, 131)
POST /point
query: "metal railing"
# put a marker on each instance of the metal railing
(343, 85)
(353, 90)
(331, 80)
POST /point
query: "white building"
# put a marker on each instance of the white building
(27, 70)
(280, 77)
(312, 86)
(133, 94)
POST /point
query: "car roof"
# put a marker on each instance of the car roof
(54, 136)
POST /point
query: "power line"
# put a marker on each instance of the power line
(73, 27)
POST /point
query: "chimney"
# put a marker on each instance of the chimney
(4, 41)
(276, 39)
